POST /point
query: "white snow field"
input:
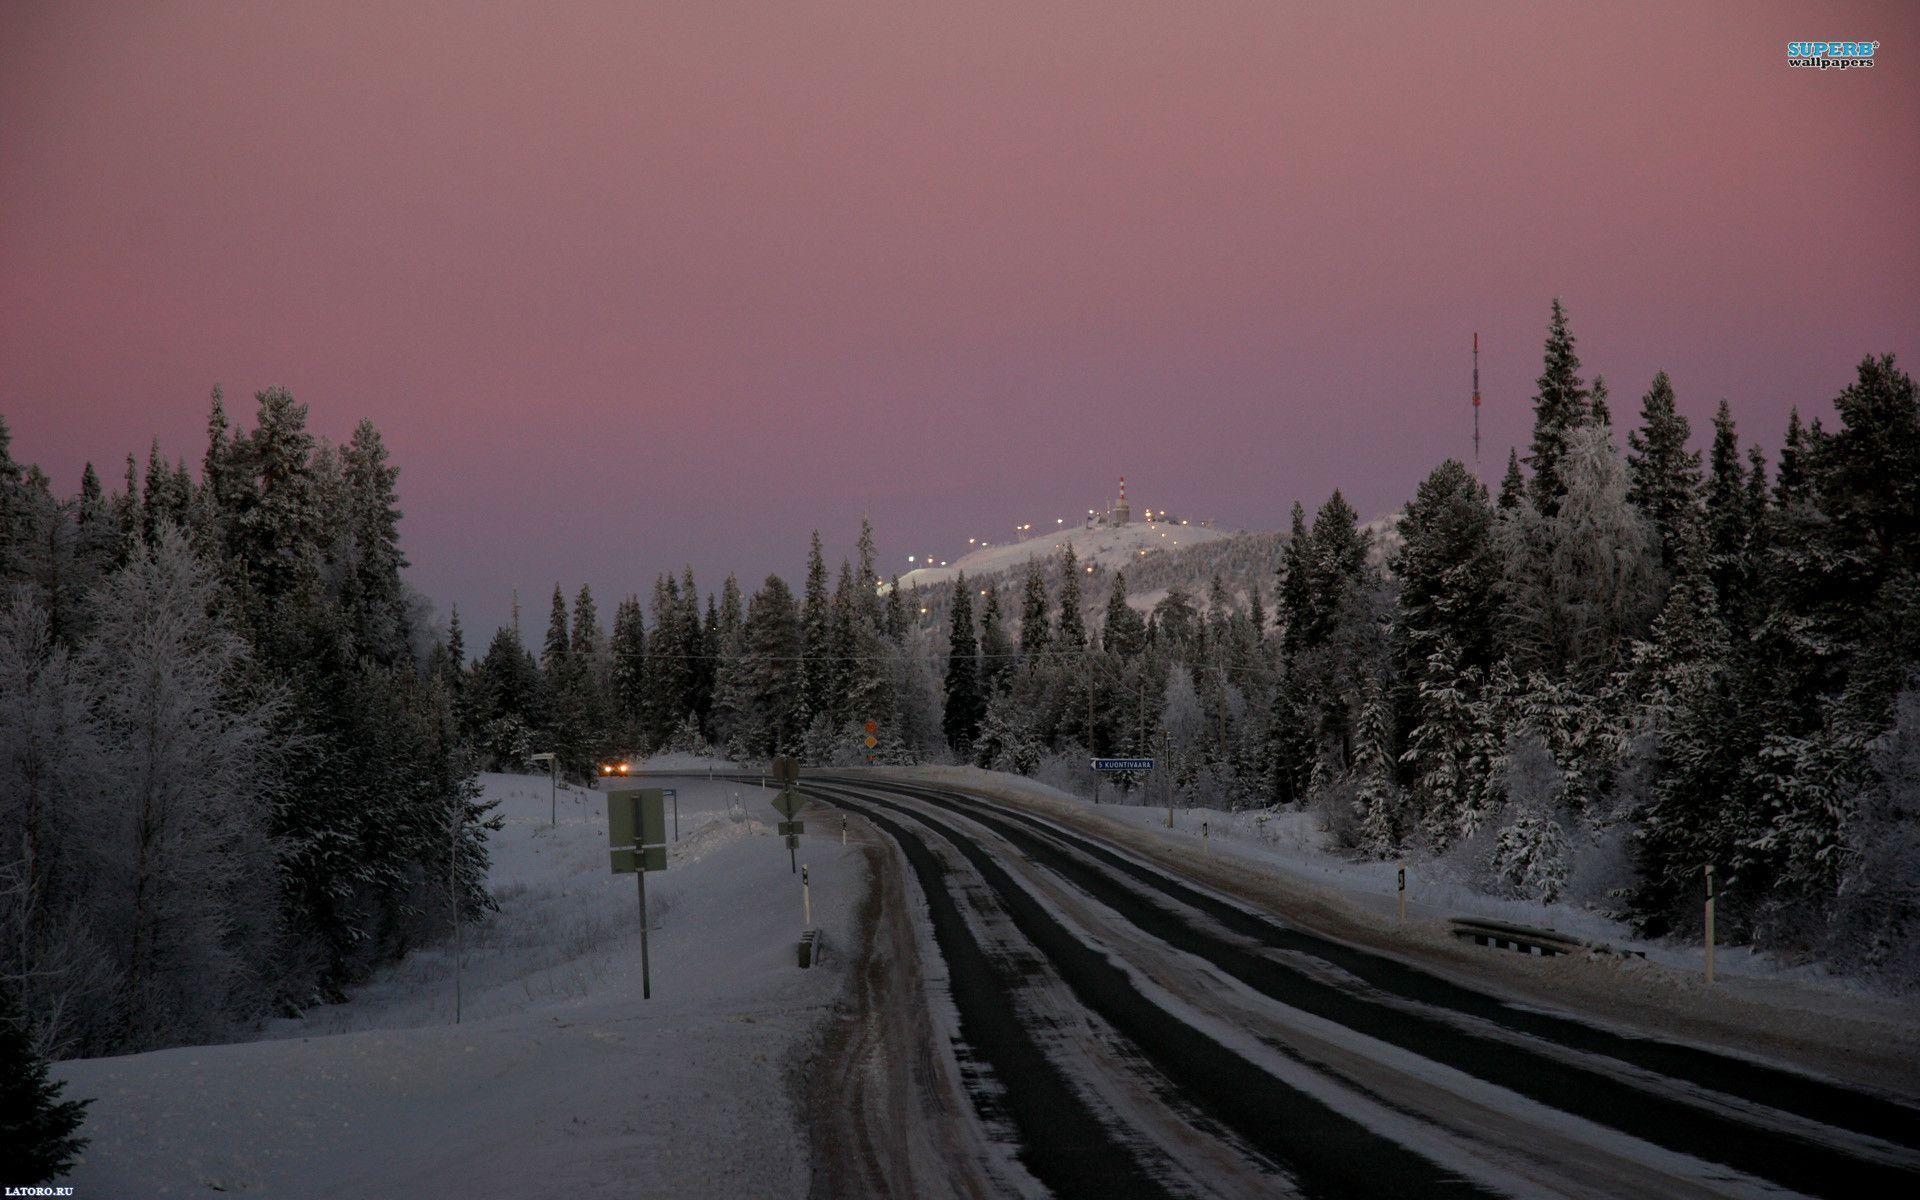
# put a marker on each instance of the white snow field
(1110, 546)
(560, 1080)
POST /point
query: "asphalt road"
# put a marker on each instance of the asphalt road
(1120, 1030)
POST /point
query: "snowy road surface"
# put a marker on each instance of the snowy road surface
(1117, 1029)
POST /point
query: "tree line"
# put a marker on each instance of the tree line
(1609, 673)
(231, 781)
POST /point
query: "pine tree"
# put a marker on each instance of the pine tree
(1665, 474)
(39, 1132)
(965, 703)
(1559, 407)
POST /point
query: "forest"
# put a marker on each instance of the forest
(238, 752)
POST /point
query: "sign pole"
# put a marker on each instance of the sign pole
(646, 971)
(1709, 922)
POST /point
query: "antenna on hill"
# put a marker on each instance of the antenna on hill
(1476, 398)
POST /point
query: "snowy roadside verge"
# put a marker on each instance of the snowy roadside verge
(560, 1079)
(1815, 1023)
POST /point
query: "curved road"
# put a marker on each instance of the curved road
(1120, 1030)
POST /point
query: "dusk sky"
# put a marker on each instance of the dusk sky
(628, 286)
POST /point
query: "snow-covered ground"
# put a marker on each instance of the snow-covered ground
(1115, 547)
(560, 1079)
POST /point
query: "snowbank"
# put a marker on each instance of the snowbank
(560, 1080)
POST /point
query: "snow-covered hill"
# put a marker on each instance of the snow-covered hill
(1112, 547)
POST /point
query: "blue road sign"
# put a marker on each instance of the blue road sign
(1123, 764)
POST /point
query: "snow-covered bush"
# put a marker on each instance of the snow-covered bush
(1530, 853)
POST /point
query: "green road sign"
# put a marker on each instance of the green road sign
(788, 802)
(792, 828)
(637, 815)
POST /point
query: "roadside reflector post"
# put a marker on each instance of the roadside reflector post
(806, 901)
(843, 829)
(1205, 838)
(1403, 893)
(1709, 873)
(673, 798)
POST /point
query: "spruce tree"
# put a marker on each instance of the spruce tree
(1513, 485)
(817, 634)
(1449, 576)
(896, 612)
(10, 504)
(1293, 598)
(378, 596)
(1123, 634)
(773, 719)
(39, 1132)
(1665, 475)
(996, 648)
(869, 579)
(1598, 411)
(1072, 630)
(628, 685)
(1035, 632)
(1559, 407)
(553, 652)
(1728, 521)
(965, 702)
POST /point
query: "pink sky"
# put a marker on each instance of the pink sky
(633, 285)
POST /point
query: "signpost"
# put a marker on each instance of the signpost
(788, 803)
(637, 840)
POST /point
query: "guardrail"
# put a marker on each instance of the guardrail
(1525, 939)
